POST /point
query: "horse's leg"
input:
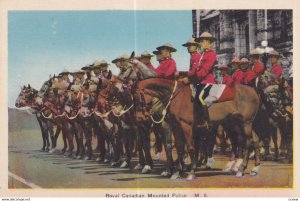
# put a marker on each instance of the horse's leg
(249, 141)
(180, 145)
(166, 132)
(64, 136)
(42, 126)
(140, 134)
(47, 136)
(79, 140)
(146, 146)
(50, 129)
(274, 138)
(210, 146)
(88, 137)
(188, 133)
(57, 132)
(70, 136)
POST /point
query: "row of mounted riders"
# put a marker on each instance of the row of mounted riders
(122, 116)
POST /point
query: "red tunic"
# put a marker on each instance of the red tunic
(151, 66)
(227, 79)
(257, 70)
(204, 71)
(277, 70)
(166, 68)
(194, 61)
(238, 76)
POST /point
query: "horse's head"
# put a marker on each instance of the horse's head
(25, 96)
(46, 86)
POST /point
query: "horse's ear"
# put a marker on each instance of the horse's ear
(29, 86)
(132, 55)
(24, 87)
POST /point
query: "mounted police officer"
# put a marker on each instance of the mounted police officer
(257, 69)
(276, 68)
(203, 73)
(145, 58)
(167, 66)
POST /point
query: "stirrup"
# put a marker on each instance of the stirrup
(204, 125)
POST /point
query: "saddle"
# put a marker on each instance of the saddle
(208, 94)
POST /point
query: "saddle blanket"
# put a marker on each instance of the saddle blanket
(208, 94)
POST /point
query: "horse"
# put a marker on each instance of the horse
(276, 100)
(27, 98)
(177, 100)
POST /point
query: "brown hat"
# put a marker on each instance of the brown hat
(88, 66)
(65, 72)
(190, 42)
(146, 54)
(156, 52)
(273, 53)
(100, 63)
(205, 36)
(167, 46)
(255, 52)
(115, 60)
(78, 72)
(124, 57)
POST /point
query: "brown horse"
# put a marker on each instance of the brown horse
(179, 104)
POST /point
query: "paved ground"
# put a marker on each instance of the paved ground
(31, 168)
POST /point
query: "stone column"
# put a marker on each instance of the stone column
(252, 28)
(260, 26)
(226, 36)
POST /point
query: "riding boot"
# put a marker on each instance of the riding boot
(201, 116)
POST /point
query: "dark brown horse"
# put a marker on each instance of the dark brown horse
(180, 107)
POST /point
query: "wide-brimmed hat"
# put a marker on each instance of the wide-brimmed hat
(115, 60)
(255, 52)
(88, 66)
(146, 54)
(273, 53)
(100, 63)
(167, 46)
(65, 72)
(235, 60)
(205, 36)
(190, 42)
(156, 52)
(78, 72)
(124, 57)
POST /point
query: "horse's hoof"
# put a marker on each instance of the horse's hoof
(106, 161)
(47, 149)
(124, 165)
(176, 176)
(63, 151)
(79, 157)
(165, 173)
(147, 169)
(191, 177)
(237, 165)
(210, 163)
(138, 167)
(252, 155)
(239, 174)
(229, 166)
(98, 159)
(255, 170)
(158, 156)
(87, 158)
(113, 164)
(42, 149)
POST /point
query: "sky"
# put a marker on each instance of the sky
(41, 43)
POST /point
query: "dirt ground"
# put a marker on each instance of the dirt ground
(54, 170)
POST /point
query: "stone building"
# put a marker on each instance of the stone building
(239, 31)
